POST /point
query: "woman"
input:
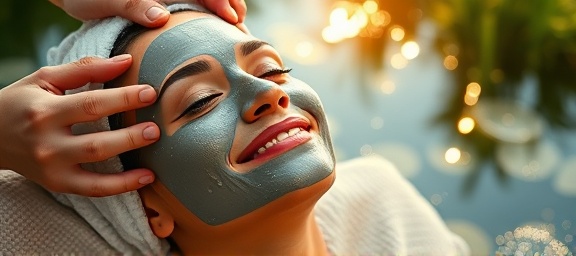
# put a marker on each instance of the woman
(244, 155)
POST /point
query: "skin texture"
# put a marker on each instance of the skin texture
(197, 156)
(36, 138)
(285, 222)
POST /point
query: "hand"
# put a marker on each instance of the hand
(36, 139)
(150, 13)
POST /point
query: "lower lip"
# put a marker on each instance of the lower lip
(283, 147)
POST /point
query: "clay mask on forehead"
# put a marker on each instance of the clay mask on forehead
(193, 162)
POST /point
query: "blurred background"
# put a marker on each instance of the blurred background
(473, 101)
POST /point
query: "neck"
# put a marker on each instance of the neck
(286, 226)
(287, 238)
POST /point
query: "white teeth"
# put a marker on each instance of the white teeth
(280, 137)
(293, 131)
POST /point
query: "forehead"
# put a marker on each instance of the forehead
(185, 36)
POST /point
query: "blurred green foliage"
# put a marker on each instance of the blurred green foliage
(22, 24)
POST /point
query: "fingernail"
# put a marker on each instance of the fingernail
(146, 180)
(121, 57)
(155, 13)
(147, 95)
(150, 133)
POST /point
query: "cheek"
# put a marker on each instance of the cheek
(208, 138)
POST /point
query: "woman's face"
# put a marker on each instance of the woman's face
(238, 131)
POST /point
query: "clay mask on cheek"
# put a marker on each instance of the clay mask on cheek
(193, 162)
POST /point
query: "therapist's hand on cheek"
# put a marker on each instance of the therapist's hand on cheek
(150, 13)
(36, 139)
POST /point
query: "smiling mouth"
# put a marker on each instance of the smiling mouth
(276, 140)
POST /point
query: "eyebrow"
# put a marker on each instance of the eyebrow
(251, 46)
(192, 69)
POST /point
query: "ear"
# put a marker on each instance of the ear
(159, 216)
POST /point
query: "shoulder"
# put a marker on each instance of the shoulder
(33, 222)
(373, 209)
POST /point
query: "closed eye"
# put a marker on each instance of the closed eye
(274, 72)
(199, 105)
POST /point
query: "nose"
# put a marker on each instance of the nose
(265, 103)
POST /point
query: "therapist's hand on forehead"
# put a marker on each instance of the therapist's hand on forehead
(36, 116)
(150, 13)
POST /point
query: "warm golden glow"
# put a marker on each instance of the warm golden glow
(470, 101)
(450, 62)
(304, 49)
(397, 34)
(398, 61)
(370, 6)
(474, 90)
(338, 16)
(410, 50)
(381, 18)
(388, 87)
(331, 34)
(466, 125)
(452, 155)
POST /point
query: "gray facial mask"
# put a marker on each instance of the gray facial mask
(193, 162)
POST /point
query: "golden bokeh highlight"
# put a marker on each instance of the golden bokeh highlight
(410, 50)
(466, 125)
(452, 155)
(451, 62)
(397, 33)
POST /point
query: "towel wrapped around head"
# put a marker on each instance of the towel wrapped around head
(120, 219)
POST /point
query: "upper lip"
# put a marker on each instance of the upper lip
(270, 133)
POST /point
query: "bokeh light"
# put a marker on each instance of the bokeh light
(466, 125)
(528, 163)
(451, 62)
(397, 33)
(565, 181)
(410, 50)
(452, 155)
(398, 61)
(370, 6)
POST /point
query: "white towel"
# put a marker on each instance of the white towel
(120, 219)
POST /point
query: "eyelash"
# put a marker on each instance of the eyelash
(274, 72)
(199, 105)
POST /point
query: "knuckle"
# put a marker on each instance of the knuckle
(44, 72)
(91, 105)
(94, 150)
(96, 190)
(126, 98)
(132, 4)
(132, 140)
(86, 61)
(37, 115)
(44, 155)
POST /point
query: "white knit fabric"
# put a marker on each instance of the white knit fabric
(372, 210)
(120, 219)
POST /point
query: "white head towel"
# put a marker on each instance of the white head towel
(119, 219)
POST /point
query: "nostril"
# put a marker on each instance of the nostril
(283, 102)
(262, 109)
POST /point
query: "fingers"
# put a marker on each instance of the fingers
(93, 105)
(98, 147)
(92, 184)
(240, 7)
(148, 13)
(57, 79)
